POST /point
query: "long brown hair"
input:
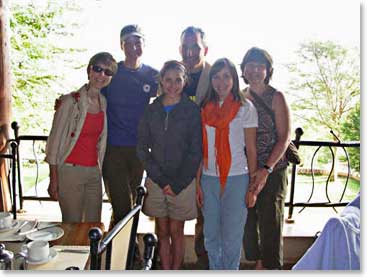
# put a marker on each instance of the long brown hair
(211, 95)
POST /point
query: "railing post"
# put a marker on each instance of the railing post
(14, 147)
(15, 127)
(140, 192)
(95, 235)
(150, 243)
(299, 133)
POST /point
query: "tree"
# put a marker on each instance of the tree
(351, 131)
(38, 59)
(325, 86)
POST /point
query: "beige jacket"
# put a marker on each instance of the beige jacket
(203, 84)
(67, 124)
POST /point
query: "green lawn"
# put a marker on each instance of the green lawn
(29, 173)
(303, 189)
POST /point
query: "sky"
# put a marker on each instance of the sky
(231, 26)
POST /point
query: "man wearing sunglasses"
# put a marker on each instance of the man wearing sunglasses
(127, 96)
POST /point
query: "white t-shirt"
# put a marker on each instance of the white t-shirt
(245, 118)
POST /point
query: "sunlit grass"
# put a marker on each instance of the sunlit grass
(29, 175)
(303, 189)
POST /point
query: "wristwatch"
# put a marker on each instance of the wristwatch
(268, 168)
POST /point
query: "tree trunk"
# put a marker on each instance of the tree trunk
(5, 104)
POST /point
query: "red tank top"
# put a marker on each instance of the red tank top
(85, 151)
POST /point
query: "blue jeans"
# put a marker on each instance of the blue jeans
(224, 220)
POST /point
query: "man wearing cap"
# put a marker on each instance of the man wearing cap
(127, 96)
(193, 49)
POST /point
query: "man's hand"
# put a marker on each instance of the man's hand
(199, 196)
(250, 199)
(168, 191)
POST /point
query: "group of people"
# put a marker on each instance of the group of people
(210, 151)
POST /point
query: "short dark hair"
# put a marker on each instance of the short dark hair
(176, 65)
(191, 30)
(211, 95)
(104, 58)
(259, 55)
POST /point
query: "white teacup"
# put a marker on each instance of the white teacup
(6, 220)
(38, 250)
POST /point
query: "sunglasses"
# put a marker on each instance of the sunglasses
(99, 69)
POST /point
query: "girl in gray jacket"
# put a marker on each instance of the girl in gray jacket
(170, 148)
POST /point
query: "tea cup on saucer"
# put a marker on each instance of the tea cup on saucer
(38, 250)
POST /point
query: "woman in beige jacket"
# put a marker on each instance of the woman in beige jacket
(76, 145)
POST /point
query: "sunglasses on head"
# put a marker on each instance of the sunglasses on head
(99, 69)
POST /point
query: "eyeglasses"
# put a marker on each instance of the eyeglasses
(99, 69)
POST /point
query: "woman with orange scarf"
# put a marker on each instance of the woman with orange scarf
(229, 124)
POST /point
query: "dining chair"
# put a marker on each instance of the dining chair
(117, 248)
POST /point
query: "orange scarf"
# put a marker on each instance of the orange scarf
(219, 117)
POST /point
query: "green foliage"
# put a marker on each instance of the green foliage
(325, 85)
(351, 132)
(38, 58)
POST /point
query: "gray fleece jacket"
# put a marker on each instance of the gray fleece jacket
(170, 144)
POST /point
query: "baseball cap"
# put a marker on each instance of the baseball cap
(129, 31)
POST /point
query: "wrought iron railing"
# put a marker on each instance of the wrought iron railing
(19, 139)
(319, 144)
(291, 203)
(12, 174)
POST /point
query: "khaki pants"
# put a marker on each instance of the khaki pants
(80, 193)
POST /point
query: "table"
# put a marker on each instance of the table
(75, 234)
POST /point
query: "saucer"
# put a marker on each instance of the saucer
(52, 255)
(49, 234)
(14, 225)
